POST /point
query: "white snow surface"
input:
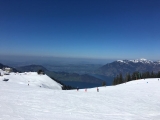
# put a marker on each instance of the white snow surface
(142, 60)
(31, 79)
(135, 100)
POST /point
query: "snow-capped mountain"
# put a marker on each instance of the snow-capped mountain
(142, 60)
(129, 66)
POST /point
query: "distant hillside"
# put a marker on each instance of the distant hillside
(128, 66)
(63, 76)
(2, 66)
(74, 68)
(32, 68)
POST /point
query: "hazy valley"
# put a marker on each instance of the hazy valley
(91, 75)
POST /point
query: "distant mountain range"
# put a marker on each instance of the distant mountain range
(31, 68)
(105, 73)
(128, 66)
(3, 66)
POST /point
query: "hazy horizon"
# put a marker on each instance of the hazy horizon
(50, 60)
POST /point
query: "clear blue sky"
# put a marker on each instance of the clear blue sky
(109, 29)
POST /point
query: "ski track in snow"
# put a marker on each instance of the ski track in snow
(135, 100)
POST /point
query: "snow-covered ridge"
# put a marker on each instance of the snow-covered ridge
(142, 60)
(30, 79)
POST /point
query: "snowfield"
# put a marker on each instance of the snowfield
(31, 79)
(135, 100)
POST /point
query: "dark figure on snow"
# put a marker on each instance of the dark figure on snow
(86, 90)
(97, 89)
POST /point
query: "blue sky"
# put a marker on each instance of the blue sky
(101, 29)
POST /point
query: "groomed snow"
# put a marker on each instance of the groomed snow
(136, 100)
(31, 79)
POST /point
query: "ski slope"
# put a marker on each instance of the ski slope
(31, 79)
(135, 100)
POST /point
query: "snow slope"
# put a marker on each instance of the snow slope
(136, 100)
(31, 78)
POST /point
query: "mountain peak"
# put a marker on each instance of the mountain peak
(142, 60)
(129, 66)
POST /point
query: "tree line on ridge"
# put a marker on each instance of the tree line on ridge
(119, 79)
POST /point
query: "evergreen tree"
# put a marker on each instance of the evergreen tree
(129, 77)
(158, 74)
(40, 72)
(135, 75)
(148, 75)
(115, 81)
(138, 76)
(103, 83)
(152, 74)
(120, 78)
(126, 78)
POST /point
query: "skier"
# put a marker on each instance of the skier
(77, 88)
(86, 90)
(97, 89)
